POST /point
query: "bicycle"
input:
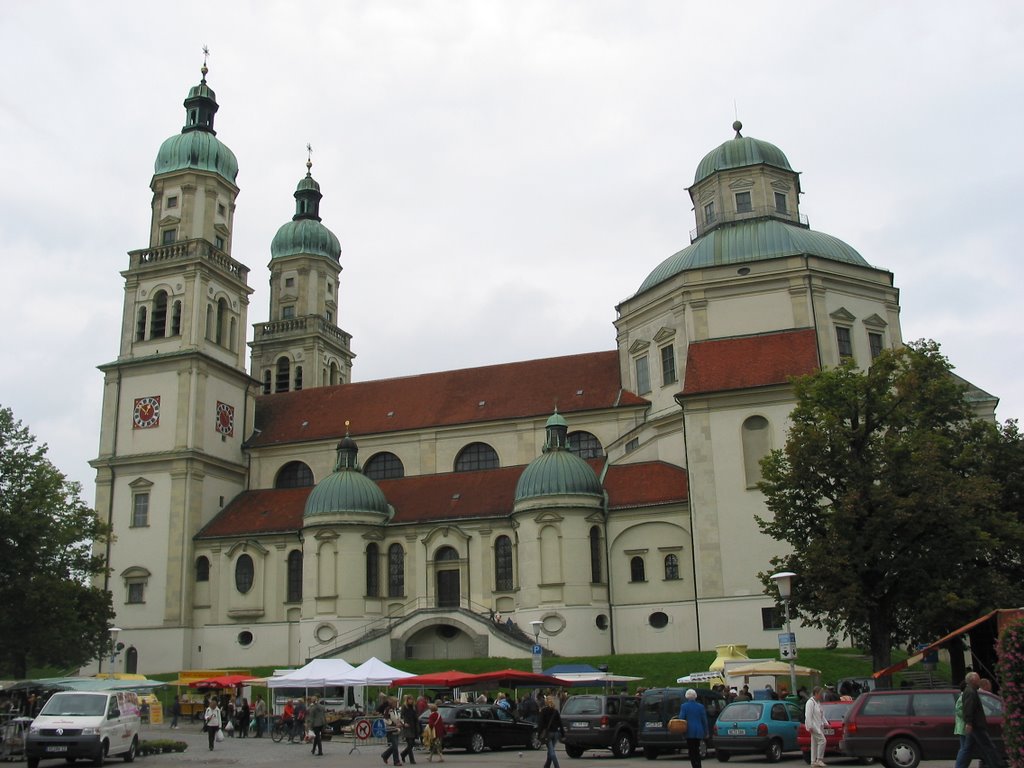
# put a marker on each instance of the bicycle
(280, 729)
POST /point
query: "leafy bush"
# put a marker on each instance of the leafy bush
(1011, 686)
(159, 746)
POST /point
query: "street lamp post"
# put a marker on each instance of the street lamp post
(538, 652)
(787, 644)
(113, 650)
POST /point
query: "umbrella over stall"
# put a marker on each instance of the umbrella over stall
(507, 678)
(433, 680)
(222, 681)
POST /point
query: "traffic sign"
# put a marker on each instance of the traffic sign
(363, 730)
(787, 646)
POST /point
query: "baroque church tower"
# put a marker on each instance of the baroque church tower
(301, 345)
(177, 401)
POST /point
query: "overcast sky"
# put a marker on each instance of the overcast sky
(502, 174)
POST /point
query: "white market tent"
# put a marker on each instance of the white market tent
(319, 673)
(373, 671)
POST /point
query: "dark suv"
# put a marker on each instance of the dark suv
(659, 705)
(600, 722)
(903, 727)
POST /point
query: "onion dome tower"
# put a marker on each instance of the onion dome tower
(557, 471)
(301, 345)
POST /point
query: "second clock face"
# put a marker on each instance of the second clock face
(146, 412)
(225, 419)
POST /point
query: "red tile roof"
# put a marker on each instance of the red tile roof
(471, 395)
(442, 497)
(719, 365)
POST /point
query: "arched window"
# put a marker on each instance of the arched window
(595, 555)
(202, 568)
(756, 445)
(476, 456)
(636, 569)
(585, 445)
(232, 333)
(372, 570)
(294, 474)
(446, 554)
(503, 564)
(176, 319)
(266, 382)
(131, 661)
(396, 571)
(283, 374)
(383, 466)
(245, 572)
(671, 568)
(210, 329)
(140, 325)
(294, 576)
(222, 321)
(334, 373)
(159, 315)
(298, 377)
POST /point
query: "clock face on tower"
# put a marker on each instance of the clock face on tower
(146, 413)
(225, 419)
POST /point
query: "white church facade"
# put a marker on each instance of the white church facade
(271, 510)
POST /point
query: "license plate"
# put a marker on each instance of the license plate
(829, 731)
(579, 725)
(57, 748)
(737, 732)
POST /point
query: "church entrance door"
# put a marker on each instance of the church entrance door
(448, 589)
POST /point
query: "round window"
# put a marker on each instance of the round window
(658, 619)
(244, 573)
(325, 633)
(601, 621)
(245, 637)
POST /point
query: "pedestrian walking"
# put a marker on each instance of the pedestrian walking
(436, 727)
(316, 718)
(260, 712)
(393, 725)
(212, 719)
(410, 726)
(696, 717)
(175, 711)
(975, 727)
(814, 721)
(550, 729)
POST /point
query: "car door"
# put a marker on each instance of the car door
(783, 719)
(931, 721)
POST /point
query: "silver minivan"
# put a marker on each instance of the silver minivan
(85, 724)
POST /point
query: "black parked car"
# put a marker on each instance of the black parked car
(659, 705)
(474, 727)
(600, 722)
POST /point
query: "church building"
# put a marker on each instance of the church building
(274, 509)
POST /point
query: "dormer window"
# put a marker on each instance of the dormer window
(287, 313)
(743, 204)
(221, 210)
(168, 236)
(780, 203)
(172, 201)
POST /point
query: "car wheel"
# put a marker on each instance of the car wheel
(722, 755)
(98, 760)
(651, 753)
(902, 753)
(774, 751)
(476, 743)
(623, 746)
(574, 750)
(129, 756)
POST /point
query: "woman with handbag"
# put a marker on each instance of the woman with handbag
(549, 729)
(693, 713)
(410, 725)
(213, 722)
(393, 727)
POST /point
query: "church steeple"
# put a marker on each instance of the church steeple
(200, 104)
(307, 193)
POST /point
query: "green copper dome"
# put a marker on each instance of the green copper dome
(305, 234)
(752, 240)
(346, 490)
(740, 152)
(197, 146)
(557, 471)
(199, 151)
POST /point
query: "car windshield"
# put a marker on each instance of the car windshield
(746, 711)
(72, 704)
(582, 705)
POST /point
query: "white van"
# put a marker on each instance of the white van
(85, 724)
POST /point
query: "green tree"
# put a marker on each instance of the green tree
(888, 492)
(49, 613)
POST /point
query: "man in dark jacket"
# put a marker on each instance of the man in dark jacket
(975, 724)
